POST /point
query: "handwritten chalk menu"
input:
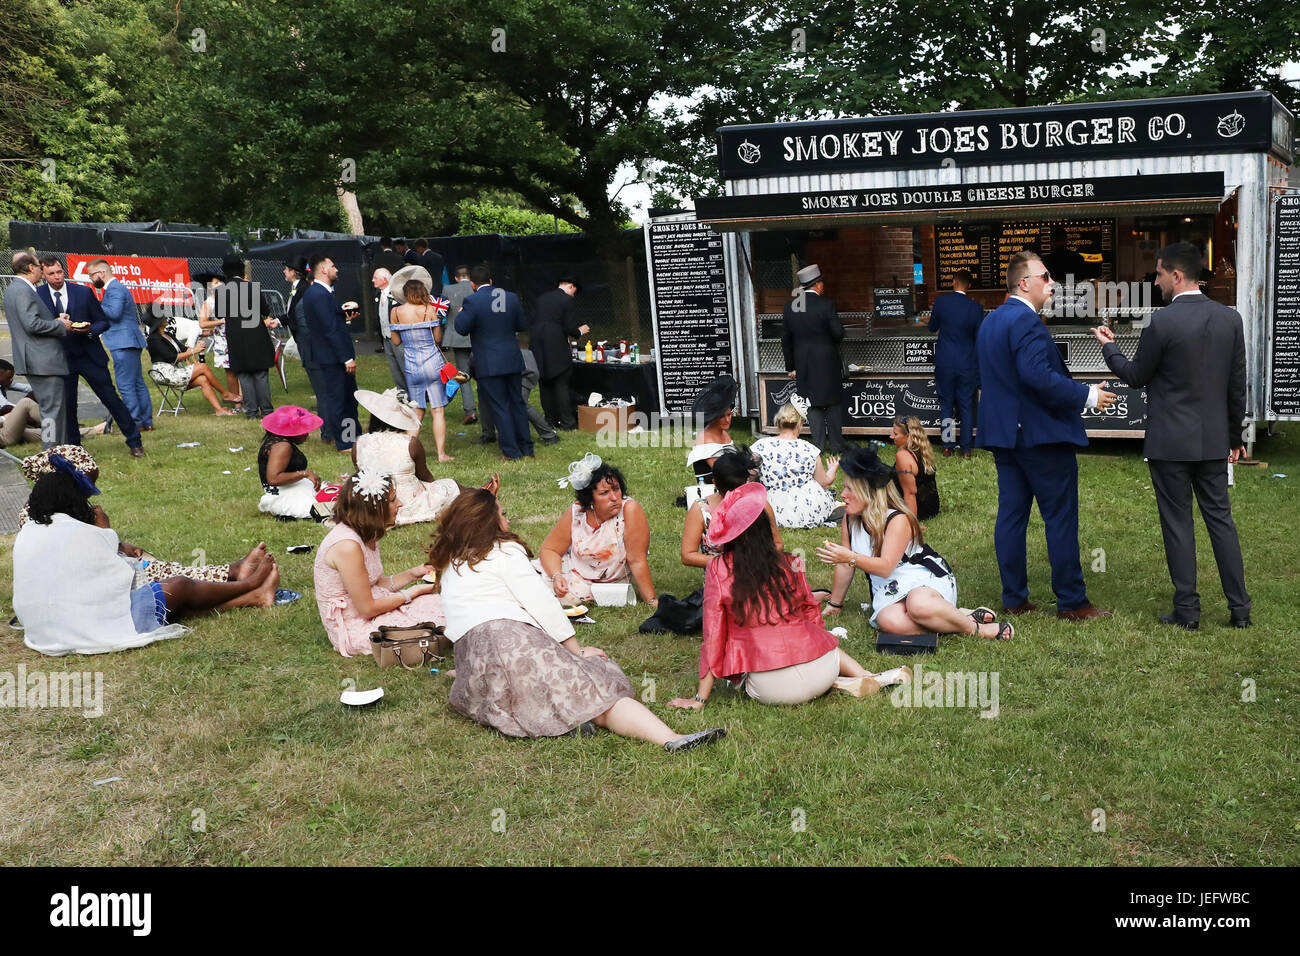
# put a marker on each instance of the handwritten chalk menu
(689, 304)
(894, 304)
(985, 248)
(1284, 379)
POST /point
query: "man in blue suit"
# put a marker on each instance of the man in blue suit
(86, 357)
(124, 342)
(1030, 415)
(492, 317)
(332, 352)
(956, 317)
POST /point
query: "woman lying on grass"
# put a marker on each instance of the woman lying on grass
(761, 626)
(519, 668)
(913, 591)
(73, 590)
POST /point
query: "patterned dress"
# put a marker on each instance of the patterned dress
(595, 556)
(794, 494)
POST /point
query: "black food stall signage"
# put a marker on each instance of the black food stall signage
(1234, 122)
(873, 403)
(985, 248)
(1284, 391)
(692, 332)
(893, 303)
(961, 196)
(919, 352)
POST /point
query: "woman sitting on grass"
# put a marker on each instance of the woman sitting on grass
(913, 591)
(914, 466)
(74, 592)
(731, 469)
(289, 486)
(519, 668)
(353, 595)
(762, 628)
(798, 485)
(603, 539)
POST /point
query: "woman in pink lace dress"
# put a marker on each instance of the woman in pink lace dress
(353, 595)
(603, 539)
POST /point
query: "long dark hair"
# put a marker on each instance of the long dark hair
(762, 592)
(734, 468)
(57, 493)
(468, 530)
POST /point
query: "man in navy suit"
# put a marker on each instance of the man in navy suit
(125, 342)
(331, 350)
(956, 317)
(492, 317)
(85, 354)
(1030, 415)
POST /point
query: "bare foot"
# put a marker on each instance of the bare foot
(265, 595)
(255, 565)
(442, 457)
(245, 566)
(224, 411)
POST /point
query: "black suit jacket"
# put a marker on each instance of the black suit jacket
(1192, 362)
(247, 337)
(553, 322)
(811, 342)
(79, 302)
(433, 262)
(389, 260)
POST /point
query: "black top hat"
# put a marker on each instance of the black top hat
(865, 465)
(232, 266)
(716, 398)
(298, 264)
(203, 278)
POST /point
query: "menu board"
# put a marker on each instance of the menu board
(1284, 342)
(893, 303)
(985, 248)
(689, 304)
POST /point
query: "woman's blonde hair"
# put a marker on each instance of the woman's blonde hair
(918, 443)
(879, 502)
(788, 417)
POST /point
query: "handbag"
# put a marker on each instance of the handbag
(413, 646)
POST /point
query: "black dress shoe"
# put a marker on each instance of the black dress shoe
(137, 452)
(487, 439)
(1179, 622)
(1240, 621)
(553, 440)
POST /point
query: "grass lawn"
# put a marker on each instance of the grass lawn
(233, 748)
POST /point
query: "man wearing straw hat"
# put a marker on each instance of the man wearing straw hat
(810, 339)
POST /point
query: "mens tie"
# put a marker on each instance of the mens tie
(58, 303)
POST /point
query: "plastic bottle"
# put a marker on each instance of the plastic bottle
(590, 357)
(600, 351)
(636, 353)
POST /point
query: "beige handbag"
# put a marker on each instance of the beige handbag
(413, 647)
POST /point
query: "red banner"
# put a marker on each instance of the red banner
(149, 279)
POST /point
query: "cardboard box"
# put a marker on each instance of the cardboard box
(612, 419)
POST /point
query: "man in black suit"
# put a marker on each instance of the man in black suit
(86, 356)
(553, 324)
(432, 261)
(406, 252)
(811, 342)
(247, 314)
(1192, 362)
(386, 258)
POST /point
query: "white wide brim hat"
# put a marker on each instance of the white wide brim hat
(388, 408)
(397, 284)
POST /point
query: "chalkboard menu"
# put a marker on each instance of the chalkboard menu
(1284, 390)
(689, 305)
(893, 304)
(985, 248)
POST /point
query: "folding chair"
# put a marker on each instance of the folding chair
(169, 395)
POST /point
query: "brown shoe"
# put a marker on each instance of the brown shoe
(1085, 613)
(1022, 609)
(137, 452)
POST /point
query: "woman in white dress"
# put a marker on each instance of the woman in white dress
(913, 591)
(798, 486)
(290, 486)
(392, 446)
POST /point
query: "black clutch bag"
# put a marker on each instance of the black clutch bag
(906, 644)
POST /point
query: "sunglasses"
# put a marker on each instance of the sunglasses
(1040, 275)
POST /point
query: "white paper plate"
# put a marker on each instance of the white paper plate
(578, 611)
(359, 698)
(429, 578)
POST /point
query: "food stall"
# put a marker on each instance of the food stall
(891, 207)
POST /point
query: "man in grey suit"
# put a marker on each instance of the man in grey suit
(38, 347)
(456, 347)
(1192, 362)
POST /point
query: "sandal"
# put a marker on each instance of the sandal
(691, 741)
(825, 595)
(1005, 632)
(983, 615)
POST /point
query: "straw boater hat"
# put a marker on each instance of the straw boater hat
(397, 284)
(388, 408)
(809, 276)
(739, 509)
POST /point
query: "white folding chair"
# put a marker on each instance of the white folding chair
(169, 394)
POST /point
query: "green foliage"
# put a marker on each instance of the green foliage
(483, 216)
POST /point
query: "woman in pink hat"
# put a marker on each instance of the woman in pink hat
(762, 626)
(289, 484)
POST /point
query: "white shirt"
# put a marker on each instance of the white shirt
(1188, 292)
(59, 297)
(503, 586)
(1092, 389)
(385, 303)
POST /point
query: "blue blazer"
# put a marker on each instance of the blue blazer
(957, 319)
(327, 328)
(80, 303)
(1027, 396)
(492, 331)
(124, 326)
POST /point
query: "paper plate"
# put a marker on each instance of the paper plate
(359, 698)
(429, 578)
(578, 611)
